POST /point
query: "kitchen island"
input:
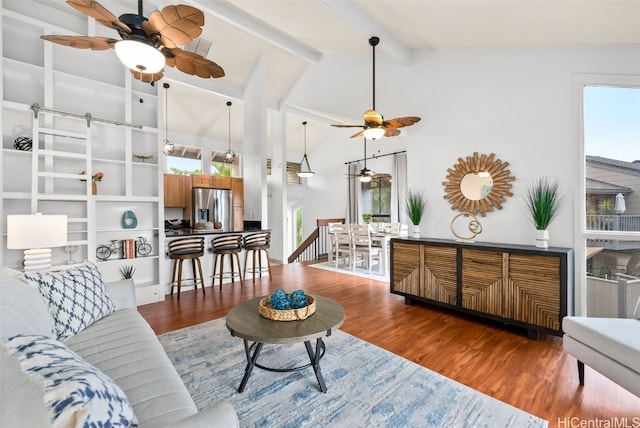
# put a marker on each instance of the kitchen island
(206, 260)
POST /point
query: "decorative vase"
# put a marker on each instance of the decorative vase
(542, 238)
(415, 232)
(94, 188)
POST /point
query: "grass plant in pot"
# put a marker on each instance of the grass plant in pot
(415, 204)
(544, 200)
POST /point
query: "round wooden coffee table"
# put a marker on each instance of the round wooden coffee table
(245, 322)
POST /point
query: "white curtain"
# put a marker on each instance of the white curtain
(399, 188)
(353, 193)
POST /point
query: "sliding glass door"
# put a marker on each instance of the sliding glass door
(611, 210)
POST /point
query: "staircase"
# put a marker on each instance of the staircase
(315, 246)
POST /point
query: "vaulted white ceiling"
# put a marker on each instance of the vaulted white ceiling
(291, 35)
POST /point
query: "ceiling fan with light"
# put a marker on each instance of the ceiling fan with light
(374, 124)
(366, 175)
(146, 45)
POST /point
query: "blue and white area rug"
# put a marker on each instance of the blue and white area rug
(367, 385)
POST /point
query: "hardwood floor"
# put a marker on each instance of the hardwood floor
(536, 376)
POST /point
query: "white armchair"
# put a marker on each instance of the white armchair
(610, 346)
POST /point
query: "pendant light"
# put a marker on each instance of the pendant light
(304, 170)
(229, 155)
(168, 147)
(365, 174)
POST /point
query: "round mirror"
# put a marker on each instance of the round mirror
(476, 185)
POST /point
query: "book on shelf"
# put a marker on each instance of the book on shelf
(129, 248)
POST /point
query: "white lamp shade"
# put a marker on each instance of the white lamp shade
(374, 133)
(140, 56)
(36, 231)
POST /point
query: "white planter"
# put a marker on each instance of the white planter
(415, 231)
(542, 238)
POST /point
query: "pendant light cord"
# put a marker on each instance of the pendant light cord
(229, 105)
(365, 153)
(305, 137)
(166, 110)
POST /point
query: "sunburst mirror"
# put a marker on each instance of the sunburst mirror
(478, 183)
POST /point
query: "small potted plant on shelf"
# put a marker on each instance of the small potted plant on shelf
(366, 217)
(127, 271)
(415, 204)
(544, 200)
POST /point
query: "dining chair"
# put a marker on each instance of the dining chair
(332, 241)
(362, 246)
(342, 244)
(394, 228)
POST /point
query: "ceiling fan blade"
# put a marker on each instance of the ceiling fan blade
(348, 126)
(99, 13)
(177, 25)
(82, 42)
(391, 132)
(400, 122)
(359, 134)
(147, 78)
(194, 64)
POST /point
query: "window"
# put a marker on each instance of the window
(188, 160)
(225, 169)
(180, 165)
(376, 198)
(292, 172)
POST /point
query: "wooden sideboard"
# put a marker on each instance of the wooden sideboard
(514, 284)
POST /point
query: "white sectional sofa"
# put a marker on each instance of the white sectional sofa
(120, 345)
(610, 346)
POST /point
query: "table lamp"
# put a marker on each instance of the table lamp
(36, 234)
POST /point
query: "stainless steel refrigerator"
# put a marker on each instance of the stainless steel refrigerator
(212, 209)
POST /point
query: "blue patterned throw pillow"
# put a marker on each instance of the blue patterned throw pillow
(77, 297)
(75, 393)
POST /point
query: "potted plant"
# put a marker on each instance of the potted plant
(366, 217)
(544, 200)
(415, 204)
(127, 271)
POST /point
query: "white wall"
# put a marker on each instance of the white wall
(514, 103)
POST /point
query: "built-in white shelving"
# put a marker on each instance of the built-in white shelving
(48, 178)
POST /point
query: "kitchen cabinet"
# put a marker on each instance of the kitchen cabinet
(205, 181)
(177, 190)
(219, 182)
(513, 284)
(237, 190)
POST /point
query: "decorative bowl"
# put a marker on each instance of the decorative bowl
(265, 309)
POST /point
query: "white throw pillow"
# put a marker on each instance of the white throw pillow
(76, 297)
(75, 393)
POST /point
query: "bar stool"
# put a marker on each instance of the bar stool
(255, 243)
(181, 249)
(226, 245)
